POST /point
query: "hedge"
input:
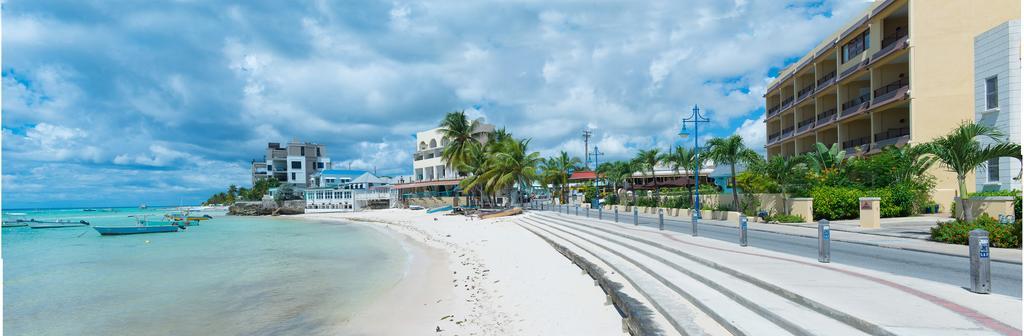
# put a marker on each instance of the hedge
(834, 203)
(958, 232)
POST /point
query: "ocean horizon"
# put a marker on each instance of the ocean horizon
(229, 275)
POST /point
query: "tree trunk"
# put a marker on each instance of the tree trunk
(657, 190)
(962, 215)
(735, 194)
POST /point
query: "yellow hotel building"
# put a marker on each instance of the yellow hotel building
(902, 73)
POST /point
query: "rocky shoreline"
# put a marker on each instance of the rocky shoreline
(267, 207)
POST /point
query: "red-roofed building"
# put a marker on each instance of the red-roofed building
(583, 176)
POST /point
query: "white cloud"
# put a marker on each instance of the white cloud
(753, 133)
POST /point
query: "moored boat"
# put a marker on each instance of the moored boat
(126, 230)
(15, 220)
(60, 223)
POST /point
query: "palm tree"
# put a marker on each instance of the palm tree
(616, 172)
(685, 160)
(474, 165)
(910, 162)
(461, 134)
(563, 165)
(960, 152)
(646, 161)
(511, 167)
(731, 151)
(785, 171)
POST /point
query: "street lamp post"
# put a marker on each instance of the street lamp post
(696, 118)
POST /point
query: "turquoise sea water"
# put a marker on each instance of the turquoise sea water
(228, 276)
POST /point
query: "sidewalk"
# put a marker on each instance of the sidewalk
(844, 233)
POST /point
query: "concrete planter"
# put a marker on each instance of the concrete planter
(994, 206)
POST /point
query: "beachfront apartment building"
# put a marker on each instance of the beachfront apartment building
(997, 99)
(351, 192)
(901, 73)
(427, 163)
(295, 163)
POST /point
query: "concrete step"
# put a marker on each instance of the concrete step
(684, 317)
(793, 317)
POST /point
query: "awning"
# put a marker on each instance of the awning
(427, 184)
(683, 181)
(583, 176)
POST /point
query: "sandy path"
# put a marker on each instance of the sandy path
(492, 276)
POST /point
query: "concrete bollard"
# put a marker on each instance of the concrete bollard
(616, 214)
(577, 209)
(824, 248)
(588, 212)
(693, 222)
(636, 217)
(661, 219)
(600, 213)
(981, 273)
(743, 230)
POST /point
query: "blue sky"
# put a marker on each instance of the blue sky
(123, 102)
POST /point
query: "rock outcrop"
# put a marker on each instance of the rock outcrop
(267, 207)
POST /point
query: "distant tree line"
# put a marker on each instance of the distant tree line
(234, 193)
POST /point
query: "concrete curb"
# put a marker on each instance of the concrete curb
(848, 319)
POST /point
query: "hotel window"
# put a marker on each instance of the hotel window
(856, 46)
(992, 92)
(296, 164)
(302, 150)
(320, 165)
(293, 176)
(318, 151)
(993, 170)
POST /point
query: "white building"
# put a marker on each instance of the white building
(364, 192)
(427, 163)
(997, 68)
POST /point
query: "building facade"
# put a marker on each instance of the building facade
(295, 163)
(901, 73)
(365, 191)
(997, 99)
(427, 163)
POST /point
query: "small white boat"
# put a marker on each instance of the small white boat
(15, 220)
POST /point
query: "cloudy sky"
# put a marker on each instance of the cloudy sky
(111, 103)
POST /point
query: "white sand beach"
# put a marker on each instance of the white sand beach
(480, 277)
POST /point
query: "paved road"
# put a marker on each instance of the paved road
(1006, 277)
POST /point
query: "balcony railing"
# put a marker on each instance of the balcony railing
(889, 91)
(826, 117)
(892, 133)
(773, 110)
(891, 39)
(772, 138)
(786, 102)
(853, 105)
(786, 132)
(805, 91)
(805, 125)
(827, 77)
(852, 143)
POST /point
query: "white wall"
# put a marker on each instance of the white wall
(997, 53)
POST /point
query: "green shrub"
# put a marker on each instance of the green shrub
(645, 201)
(836, 202)
(678, 202)
(611, 199)
(781, 218)
(958, 232)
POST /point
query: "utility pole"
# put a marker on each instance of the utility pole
(586, 145)
(596, 203)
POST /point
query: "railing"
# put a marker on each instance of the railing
(892, 133)
(772, 138)
(786, 132)
(773, 110)
(888, 91)
(826, 117)
(856, 142)
(805, 125)
(827, 77)
(891, 39)
(786, 102)
(850, 106)
(852, 69)
(805, 91)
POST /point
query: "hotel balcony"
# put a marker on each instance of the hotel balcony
(825, 118)
(892, 136)
(804, 93)
(774, 110)
(862, 143)
(826, 80)
(774, 137)
(787, 103)
(805, 125)
(427, 154)
(856, 105)
(786, 132)
(893, 91)
(892, 44)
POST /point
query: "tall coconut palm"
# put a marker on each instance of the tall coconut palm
(474, 165)
(461, 134)
(682, 159)
(646, 161)
(564, 165)
(512, 167)
(960, 152)
(731, 151)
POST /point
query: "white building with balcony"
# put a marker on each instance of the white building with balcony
(427, 163)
